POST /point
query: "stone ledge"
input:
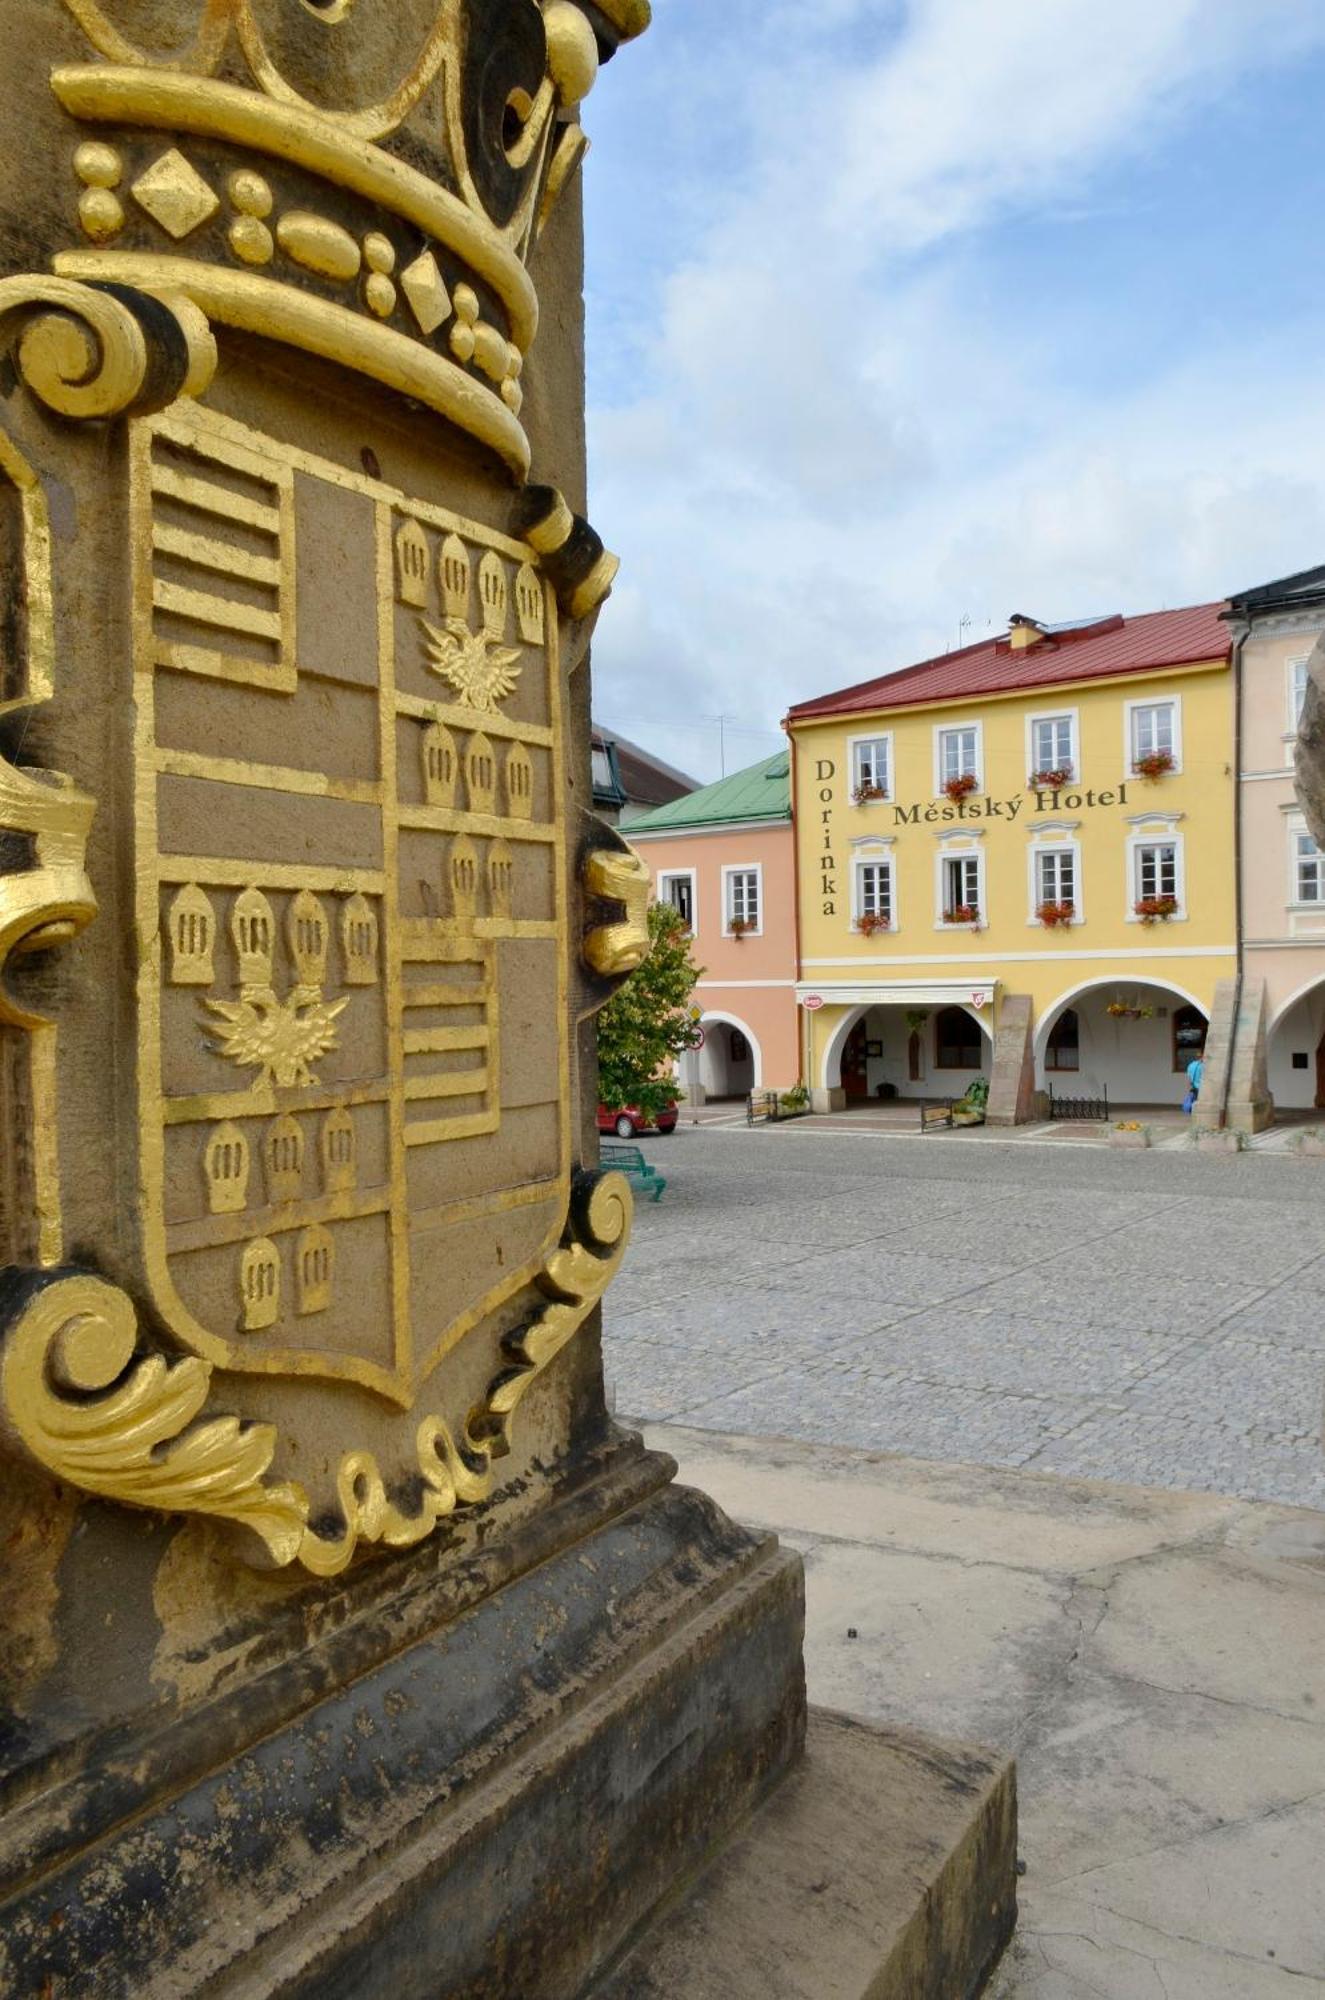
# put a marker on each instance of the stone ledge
(883, 1868)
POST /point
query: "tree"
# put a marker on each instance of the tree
(648, 1023)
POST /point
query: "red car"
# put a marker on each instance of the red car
(628, 1121)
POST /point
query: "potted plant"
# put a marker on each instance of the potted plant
(873, 920)
(1154, 764)
(970, 1109)
(1052, 778)
(738, 926)
(1156, 909)
(1055, 916)
(961, 788)
(1129, 1132)
(794, 1103)
(865, 794)
(962, 913)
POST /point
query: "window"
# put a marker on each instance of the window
(1308, 870)
(1297, 683)
(1189, 1026)
(740, 1048)
(958, 754)
(958, 1043)
(1055, 875)
(1154, 730)
(1051, 744)
(870, 763)
(742, 886)
(679, 891)
(961, 888)
(1063, 1050)
(1156, 869)
(874, 890)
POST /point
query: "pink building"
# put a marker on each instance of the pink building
(724, 858)
(1282, 870)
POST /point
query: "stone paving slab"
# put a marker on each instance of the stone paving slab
(1159, 1320)
(1155, 1661)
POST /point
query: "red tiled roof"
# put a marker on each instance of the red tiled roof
(1153, 641)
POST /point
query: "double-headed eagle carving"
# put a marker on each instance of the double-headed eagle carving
(481, 672)
(281, 1038)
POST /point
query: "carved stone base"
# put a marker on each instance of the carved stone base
(477, 1782)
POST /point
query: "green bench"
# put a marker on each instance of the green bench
(630, 1161)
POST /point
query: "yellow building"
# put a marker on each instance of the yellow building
(1027, 843)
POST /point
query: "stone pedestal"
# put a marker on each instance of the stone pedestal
(1012, 1081)
(350, 1650)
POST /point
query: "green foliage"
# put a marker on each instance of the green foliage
(794, 1100)
(647, 1025)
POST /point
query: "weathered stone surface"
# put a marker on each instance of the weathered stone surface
(419, 1801)
(916, 1904)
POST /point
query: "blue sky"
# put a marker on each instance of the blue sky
(910, 312)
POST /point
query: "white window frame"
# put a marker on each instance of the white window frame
(1173, 701)
(964, 849)
(854, 746)
(862, 861)
(756, 869)
(1071, 848)
(1072, 717)
(1292, 668)
(942, 729)
(666, 875)
(1299, 830)
(1156, 833)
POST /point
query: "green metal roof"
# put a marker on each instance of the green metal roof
(763, 791)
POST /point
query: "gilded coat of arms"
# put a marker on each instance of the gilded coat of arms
(361, 911)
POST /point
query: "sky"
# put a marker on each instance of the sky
(906, 315)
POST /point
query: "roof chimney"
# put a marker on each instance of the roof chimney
(1024, 632)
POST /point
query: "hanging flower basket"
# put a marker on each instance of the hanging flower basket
(738, 926)
(873, 921)
(1156, 909)
(1056, 916)
(1124, 1010)
(962, 913)
(961, 788)
(1052, 778)
(1154, 765)
(865, 795)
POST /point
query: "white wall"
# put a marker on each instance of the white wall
(1299, 1031)
(888, 1025)
(1132, 1060)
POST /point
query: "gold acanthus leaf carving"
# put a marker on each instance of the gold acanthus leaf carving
(75, 1337)
(75, 1399)
(482, 673)
(282, 1039)
(51, 903)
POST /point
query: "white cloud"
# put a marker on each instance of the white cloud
(837, 446)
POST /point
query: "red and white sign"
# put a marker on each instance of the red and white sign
(699, 1039)
(979, 999)
(812, 1002)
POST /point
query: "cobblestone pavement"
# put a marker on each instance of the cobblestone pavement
(1155, 1318)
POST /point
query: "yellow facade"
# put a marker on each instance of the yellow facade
(1106, 838)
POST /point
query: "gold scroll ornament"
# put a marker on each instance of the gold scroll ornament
(74, 1396)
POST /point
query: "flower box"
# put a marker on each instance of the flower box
(872, 922)
(738, 926)
(1154, 765)
(1218, 1139)
(865, 795)
(1312, 1143)
(1130, 1134)
(961, 788)
(1052, 778)
(962, 913)
(1121, 1010)
(1156, 909)
(1056, 916)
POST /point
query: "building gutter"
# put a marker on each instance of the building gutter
(1239, 642)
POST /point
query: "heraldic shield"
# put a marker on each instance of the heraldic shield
(296, 1211)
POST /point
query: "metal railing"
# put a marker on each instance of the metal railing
(1080, 1109)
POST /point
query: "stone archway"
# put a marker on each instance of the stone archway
(731, 1062)
(1138, 1053)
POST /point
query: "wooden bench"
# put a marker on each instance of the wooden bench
(630, 1161)
(761, 1107)
(932, 1115)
